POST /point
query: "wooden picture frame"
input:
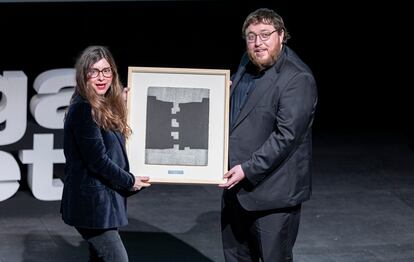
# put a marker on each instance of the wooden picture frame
(179, 119)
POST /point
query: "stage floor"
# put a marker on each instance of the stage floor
(361, 210)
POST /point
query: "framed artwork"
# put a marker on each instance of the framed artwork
(179, 120)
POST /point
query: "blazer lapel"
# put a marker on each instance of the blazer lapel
(258, 92)
(122, 142)
(239, 73)
(266, 82)
(236, 79)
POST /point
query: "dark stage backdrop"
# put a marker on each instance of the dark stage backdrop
(355, 52)
(352, 50)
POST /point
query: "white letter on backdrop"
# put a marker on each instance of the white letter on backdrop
(40, 170)
(13, 105)
(48, 106)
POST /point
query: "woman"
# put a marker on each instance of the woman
(97, 180)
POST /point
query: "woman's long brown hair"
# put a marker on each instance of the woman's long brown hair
(108, 111)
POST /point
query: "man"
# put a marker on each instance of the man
(273, 100)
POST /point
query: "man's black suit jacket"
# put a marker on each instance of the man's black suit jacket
(271, 136)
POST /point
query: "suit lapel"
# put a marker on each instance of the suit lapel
(258, 92)
(122, 142)
(236, 79)
(266, 82)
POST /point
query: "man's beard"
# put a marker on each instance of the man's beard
(264, 64)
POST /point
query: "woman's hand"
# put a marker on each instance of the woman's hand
(140, 182)
(125, 93)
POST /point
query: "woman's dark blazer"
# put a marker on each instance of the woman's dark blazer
(96, 172)
(271, 136)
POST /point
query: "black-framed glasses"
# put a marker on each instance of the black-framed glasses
(106, 72)
(264, 36)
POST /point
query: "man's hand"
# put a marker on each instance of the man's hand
(234, 176)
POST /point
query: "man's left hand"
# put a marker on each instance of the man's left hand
(234, 176)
